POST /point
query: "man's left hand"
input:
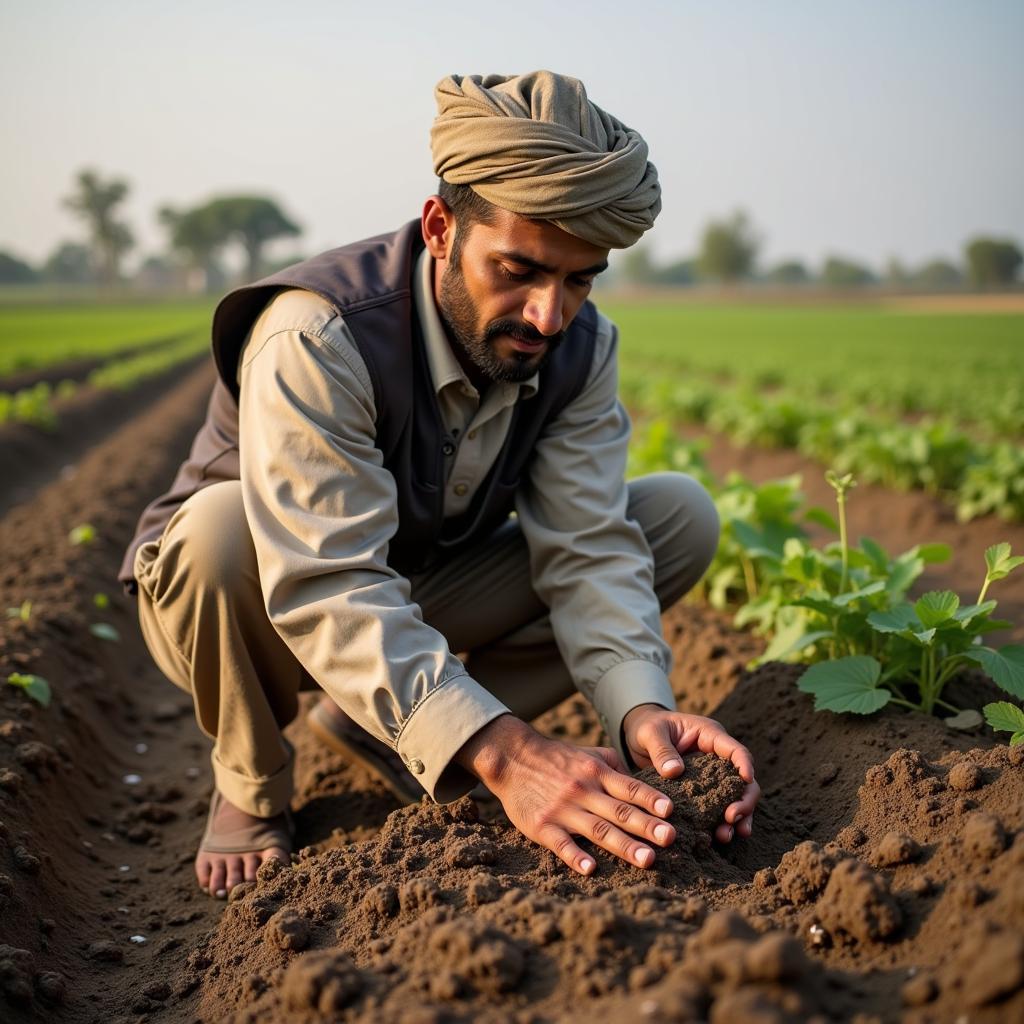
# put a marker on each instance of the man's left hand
(656, 737)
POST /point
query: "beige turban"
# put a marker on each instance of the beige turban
(535, 145)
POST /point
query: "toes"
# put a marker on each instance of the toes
(235, 873)
(218, 879)
(252, 865)
(276, 853)
(203, 868)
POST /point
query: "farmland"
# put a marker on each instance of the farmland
(883, 878)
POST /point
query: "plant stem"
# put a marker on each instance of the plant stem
(984, 590)
(904, 703)
(948, 706)
(841, 501)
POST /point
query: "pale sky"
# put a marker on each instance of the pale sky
(869, 128)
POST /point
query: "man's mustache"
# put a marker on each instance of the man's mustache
(521, 332)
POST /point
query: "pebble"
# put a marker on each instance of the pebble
(192, 773)
(141, 748)
(124, 868)
(131, 779)
(139, 940)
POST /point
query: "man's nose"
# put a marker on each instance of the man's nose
(544, 309)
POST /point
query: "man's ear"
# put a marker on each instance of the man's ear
(437, 224)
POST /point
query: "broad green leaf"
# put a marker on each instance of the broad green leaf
(793, 646)
(848, 684)
(824, 605)
(900, 619)
(1005, 666)
(972, 611)
(855, 595)
(822, 518)
(932, 553)
(903, 574)
(1005, 717)
(105, 631)
(876, 553)
(1000, 562)
(936, 607)
(35, 686)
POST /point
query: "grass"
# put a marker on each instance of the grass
(34, 336)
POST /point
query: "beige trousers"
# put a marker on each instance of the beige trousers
(204, 621)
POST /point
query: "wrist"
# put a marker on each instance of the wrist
(489, 751)
(634, 716)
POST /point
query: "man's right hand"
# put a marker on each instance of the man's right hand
(553, 791)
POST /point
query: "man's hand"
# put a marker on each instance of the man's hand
(552, 791)
(657, 737)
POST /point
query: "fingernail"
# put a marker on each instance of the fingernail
(586, 864)
(732, 832)
(663, 807)
(662, 833)
(671, 764)
(221, 894)
(645, 856)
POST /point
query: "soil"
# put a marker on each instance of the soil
(884, 880)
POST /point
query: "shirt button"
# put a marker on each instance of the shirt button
(416, 766)
(460, 489)
(448, 448)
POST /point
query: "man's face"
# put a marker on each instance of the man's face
(511, 292)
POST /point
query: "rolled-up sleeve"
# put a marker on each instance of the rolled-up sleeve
(322, 510)
(590, 563)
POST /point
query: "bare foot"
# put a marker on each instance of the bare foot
(219, 873)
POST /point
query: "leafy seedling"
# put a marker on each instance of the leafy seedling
(1006, 717)
(85, 533)
(22, 612)
(35, 687)
(105, 631)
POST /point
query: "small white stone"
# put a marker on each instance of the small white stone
(141, 748)
(122, 910)
(649, 1007)
(109, 836)
(131, 779)
(192, 773)
(87, 844)
(138, 939)
(124, 868)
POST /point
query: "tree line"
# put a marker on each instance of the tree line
(199, 236)
(197, 239)
(728, 253)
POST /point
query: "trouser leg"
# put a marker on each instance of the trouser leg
(483, 601)
(203, 619)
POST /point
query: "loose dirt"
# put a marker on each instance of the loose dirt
(884, 879)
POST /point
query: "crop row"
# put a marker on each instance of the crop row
(844, 609)
(966, 368)
(981, 477)
(38, 405)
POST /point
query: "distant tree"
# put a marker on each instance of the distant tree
(96, 202)
(199, 237)
(635, 266)
(896, 273)
(938, 274)
(69, 263)
(788, 272)
(676, 274)
(253, 221)
(728, 249)
(992, 262)
(15, 271)
(842, 273)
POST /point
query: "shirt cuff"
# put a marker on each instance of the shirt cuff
(438, 728)
(624, 687)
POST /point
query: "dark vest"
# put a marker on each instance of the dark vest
(370, 284)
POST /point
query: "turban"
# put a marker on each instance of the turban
(536, 146)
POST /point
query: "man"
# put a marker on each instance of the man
(344, 517)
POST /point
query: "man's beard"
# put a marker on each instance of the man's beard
(461, 318)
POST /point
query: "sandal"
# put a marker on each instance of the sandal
(355, 744)
(277, 831)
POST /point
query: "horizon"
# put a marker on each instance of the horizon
(863, 131)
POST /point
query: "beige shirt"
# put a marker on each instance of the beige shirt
(322, 509)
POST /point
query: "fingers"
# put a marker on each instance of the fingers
(611, 838)
(711, 738)
(607, 755)
(631, 819)
(739, 816)
(633, 791)
(657, 742)
(561, 844)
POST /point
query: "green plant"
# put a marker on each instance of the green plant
(918, 648)
(1006, 717)
(22, 612)
(83, 534)
(35, 687)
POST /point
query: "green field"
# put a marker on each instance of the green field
(969, 367)
(37, 336)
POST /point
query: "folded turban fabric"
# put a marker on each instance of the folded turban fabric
(535, 145)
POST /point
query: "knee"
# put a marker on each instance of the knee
(680, 521)
(207, 542)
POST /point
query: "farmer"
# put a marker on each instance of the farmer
(345, 518)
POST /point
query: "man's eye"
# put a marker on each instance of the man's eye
(583, 282)
(512, 276)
